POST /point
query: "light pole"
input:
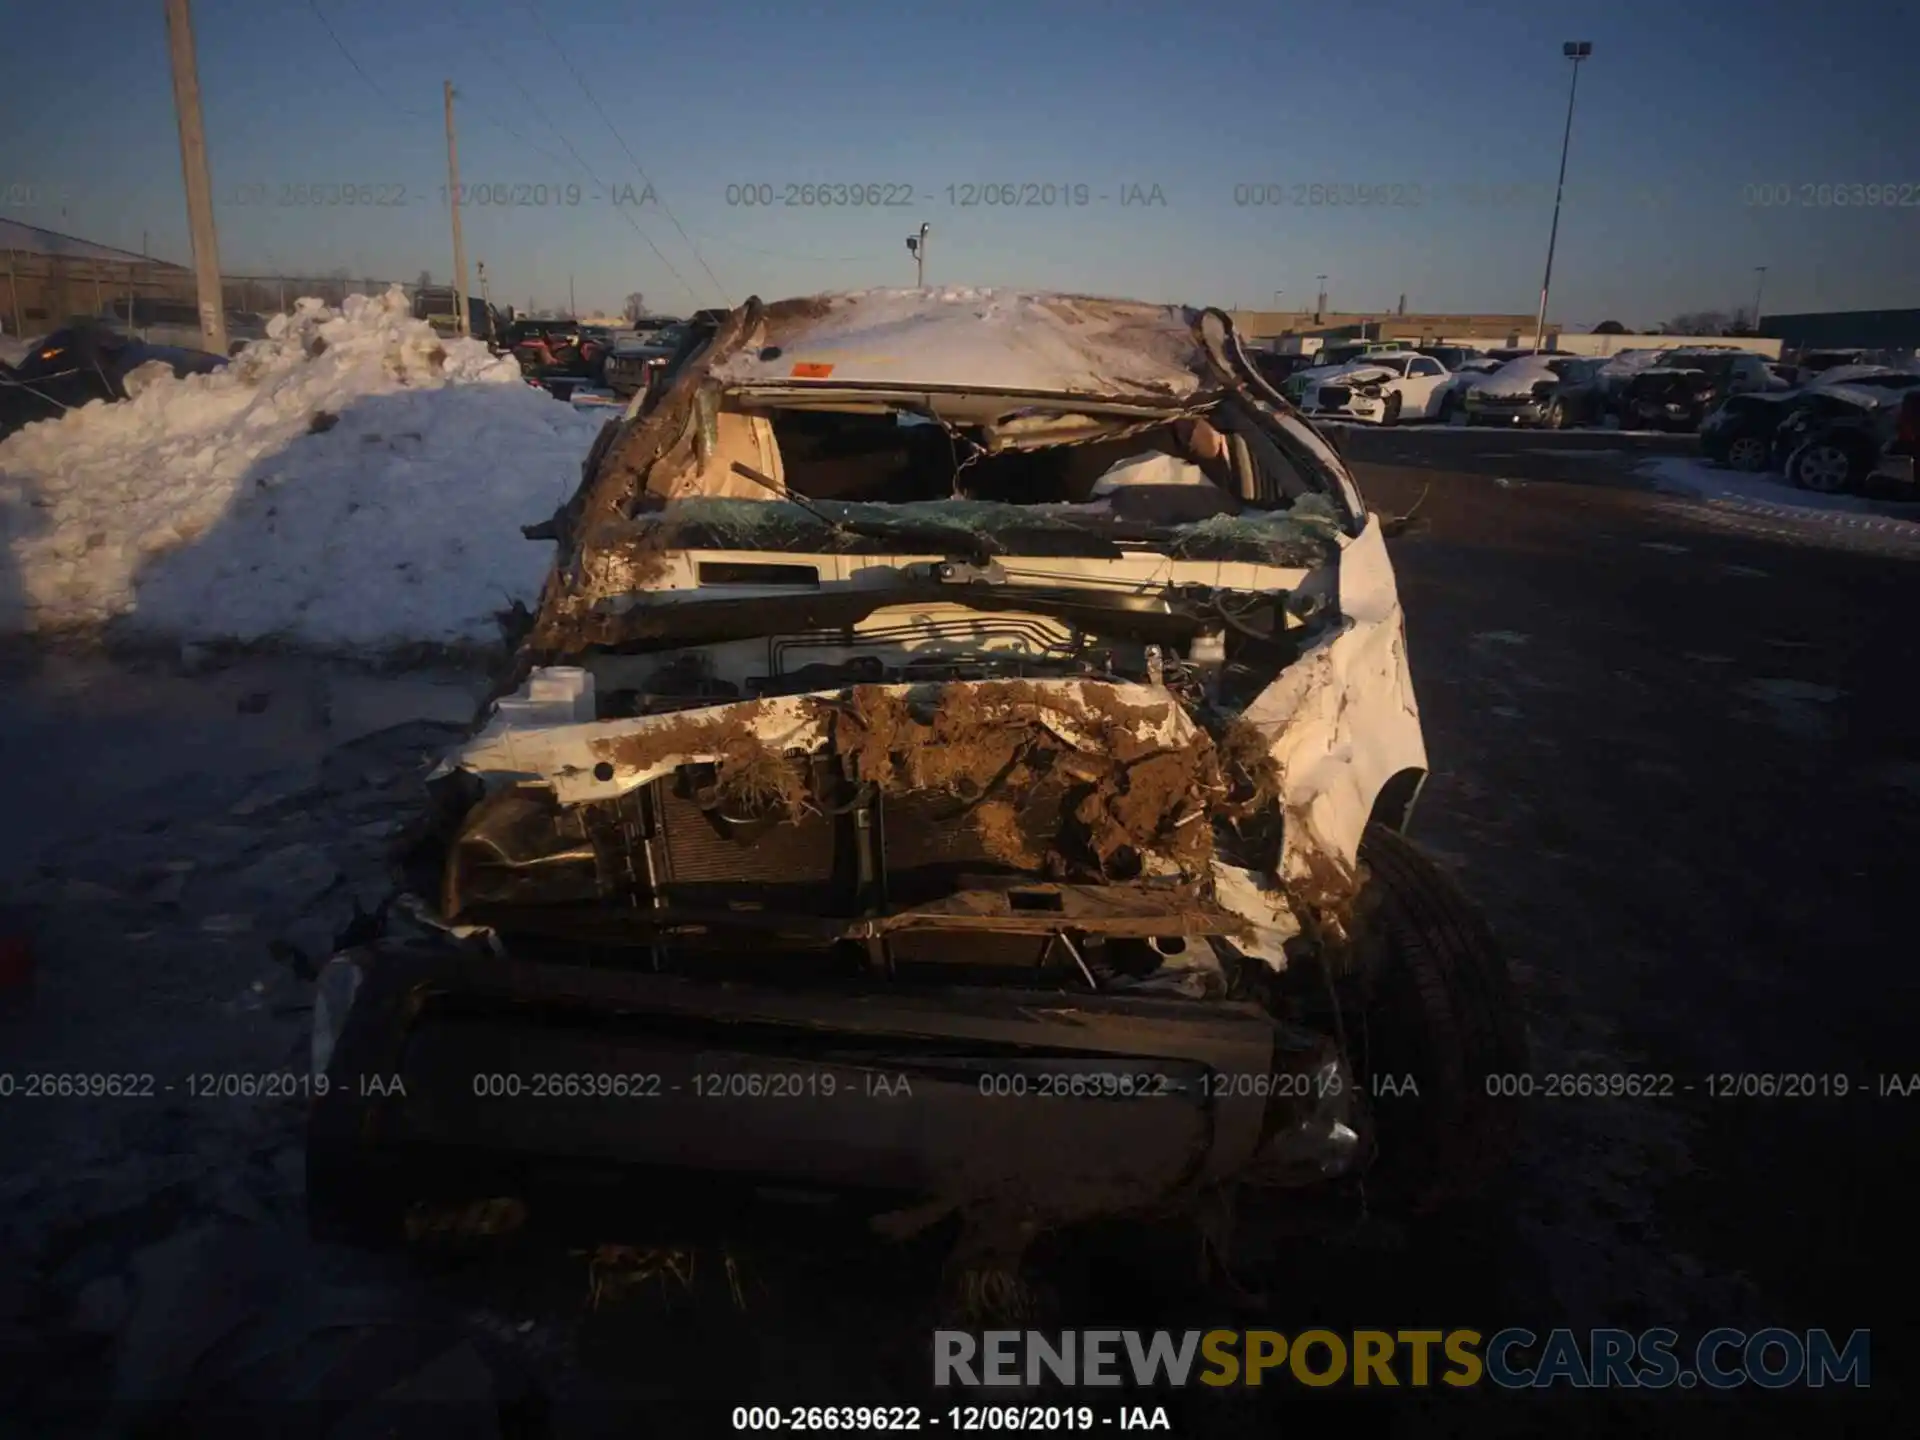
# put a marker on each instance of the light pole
(1276, 300)
(1759, 279)
(1320, 304)
(917, 247)
(1576, 51)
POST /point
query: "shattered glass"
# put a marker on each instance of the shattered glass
(1305, 534)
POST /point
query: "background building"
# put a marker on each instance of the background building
(1493, 331)
(1846, 329)
(51, 276)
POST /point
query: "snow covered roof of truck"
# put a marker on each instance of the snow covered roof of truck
(1010, 341)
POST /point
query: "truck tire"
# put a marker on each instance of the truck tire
(1438, 1031)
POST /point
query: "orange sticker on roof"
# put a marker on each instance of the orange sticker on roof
(811, 370)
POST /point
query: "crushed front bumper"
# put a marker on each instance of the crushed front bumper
(461, 1076)
(1506, 412)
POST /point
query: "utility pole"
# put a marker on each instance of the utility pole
(193, 162)
(573, 305)
(1759, 279)
(453, 201)
(917, 245)
(1576, 51)
(1320, 304)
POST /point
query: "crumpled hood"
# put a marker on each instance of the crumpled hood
(1366, 375)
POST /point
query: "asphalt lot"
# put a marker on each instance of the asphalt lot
(1676, 765)
(1570, 456)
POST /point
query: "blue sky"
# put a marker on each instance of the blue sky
(1682, 108)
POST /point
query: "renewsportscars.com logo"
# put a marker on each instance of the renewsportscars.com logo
(1513, 1359)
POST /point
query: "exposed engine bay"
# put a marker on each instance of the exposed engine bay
(984, 711)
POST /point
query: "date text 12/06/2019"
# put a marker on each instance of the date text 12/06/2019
(899, 195)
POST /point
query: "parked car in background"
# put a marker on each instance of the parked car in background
(1331, 359)
(1881, 379)
(1754, 432)
(1813, 362)
(1521, 392)
(1833, 435)
(1468, 373)
(1454, 357)
(75, 366)
(1381, 389)
(641, 352)
(176, 323)
(1835, 454)
(559, 352)
(440, 308)
(1741, 432)
(1276, 368)
(1897, 460)
(1686, 386)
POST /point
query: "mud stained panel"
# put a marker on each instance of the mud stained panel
(701, 852)
(933, 840)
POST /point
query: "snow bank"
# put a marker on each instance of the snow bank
(1686, 475)
(353, 481)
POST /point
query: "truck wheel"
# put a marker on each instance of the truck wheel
(1437, 1036)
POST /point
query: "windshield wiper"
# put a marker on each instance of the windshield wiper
(954, 540)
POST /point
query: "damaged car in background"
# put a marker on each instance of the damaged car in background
(957, 771)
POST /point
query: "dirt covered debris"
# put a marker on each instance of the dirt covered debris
(1129, 788)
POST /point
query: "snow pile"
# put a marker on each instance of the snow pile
(353, 481)
(1701, 480)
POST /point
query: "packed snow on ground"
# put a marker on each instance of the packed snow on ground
(354, 481)
(1687, 475)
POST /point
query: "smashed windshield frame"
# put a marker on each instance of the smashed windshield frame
(1304, 535)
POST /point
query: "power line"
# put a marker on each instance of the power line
(586, 169)
(314, 5)
(453, 13)
(587, 90)
(482, 114)
(787, 254)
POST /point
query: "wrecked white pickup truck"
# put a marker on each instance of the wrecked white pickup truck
(957, 767)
